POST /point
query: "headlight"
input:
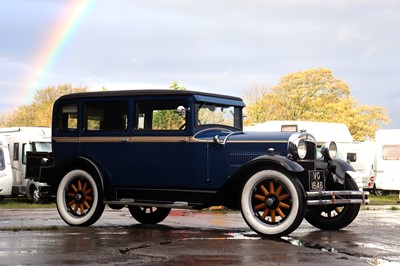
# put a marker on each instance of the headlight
(300, 148)
(329, 150)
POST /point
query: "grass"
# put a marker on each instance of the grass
(23, 203)
(384, 199)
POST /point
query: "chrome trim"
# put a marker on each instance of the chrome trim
(132, 202)
(330, 197)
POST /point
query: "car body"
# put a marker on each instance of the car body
(153, 150)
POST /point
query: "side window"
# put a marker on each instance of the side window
(16, 151)
(25, 147)
(106, 116)
(67, 118)
(2, 162)
(160, 115)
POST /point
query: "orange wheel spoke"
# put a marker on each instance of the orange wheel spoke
(74, 188)
(79, 185)
(82, 209)
(87, 206)
(84, 186)
(279, 211)
(283, 197)
(71, 195)
(88, 191)
(87, 198)
(278, 191)
(260, 206)
(271, 187)
(265, 214)
(71, 203)
(284, 205)
(259, 197)
(76, 209)
(273, 219)
(264, 190)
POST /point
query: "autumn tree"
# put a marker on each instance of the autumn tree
(314, 95)
(39, 112)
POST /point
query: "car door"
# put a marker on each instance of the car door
(160, 145)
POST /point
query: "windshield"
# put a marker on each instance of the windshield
(216, 114)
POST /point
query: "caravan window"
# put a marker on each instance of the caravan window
(2, 162)
(16, 151)
(391, 152)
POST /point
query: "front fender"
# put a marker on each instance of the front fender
(229, 194)
(277, 160)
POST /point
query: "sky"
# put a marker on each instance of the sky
(220, 46)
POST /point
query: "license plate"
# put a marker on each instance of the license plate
(316, 180)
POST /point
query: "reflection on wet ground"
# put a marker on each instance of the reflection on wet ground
(190, 238)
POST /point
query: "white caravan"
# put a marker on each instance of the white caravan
(362, 155)
(6, 177)
(20, 140)
(323, 132)
(387, 164)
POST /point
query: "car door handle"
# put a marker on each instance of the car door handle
(185, 140)
(124, 140)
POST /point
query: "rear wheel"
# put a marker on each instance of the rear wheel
(80, 198)
(335, 217)
(149, 215)
(273, 203)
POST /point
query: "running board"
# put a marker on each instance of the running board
(132, 202)
(338, 197)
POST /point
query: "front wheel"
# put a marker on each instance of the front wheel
(80, 198)
(149, 215)
(273, 203)
(335, 217)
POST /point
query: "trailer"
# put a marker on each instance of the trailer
(21, 140)
(6, 177)
(387, 162)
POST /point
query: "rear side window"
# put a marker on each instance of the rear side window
(67, 118)
(106, 116)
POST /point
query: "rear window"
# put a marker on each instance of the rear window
(67, 118)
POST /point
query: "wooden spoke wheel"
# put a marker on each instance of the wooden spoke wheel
(79, 198)
(273, 203)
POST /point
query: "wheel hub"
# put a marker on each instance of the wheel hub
(271, 201)
(79, 197)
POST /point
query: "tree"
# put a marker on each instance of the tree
(39, 113)
(314, 95)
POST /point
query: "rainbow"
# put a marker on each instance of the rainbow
(59, 36)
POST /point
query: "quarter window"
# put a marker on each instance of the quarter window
(67, 118)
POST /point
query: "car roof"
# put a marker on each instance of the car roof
(144, 93)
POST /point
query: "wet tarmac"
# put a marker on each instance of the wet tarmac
(40, 237)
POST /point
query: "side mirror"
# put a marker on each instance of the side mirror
(182, 110)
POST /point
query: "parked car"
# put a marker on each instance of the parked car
(153, 150)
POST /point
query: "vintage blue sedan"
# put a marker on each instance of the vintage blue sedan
(153, 150)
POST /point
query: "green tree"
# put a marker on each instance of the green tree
(39, 112)
(314, 95)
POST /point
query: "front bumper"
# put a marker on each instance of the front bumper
(339, 197)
